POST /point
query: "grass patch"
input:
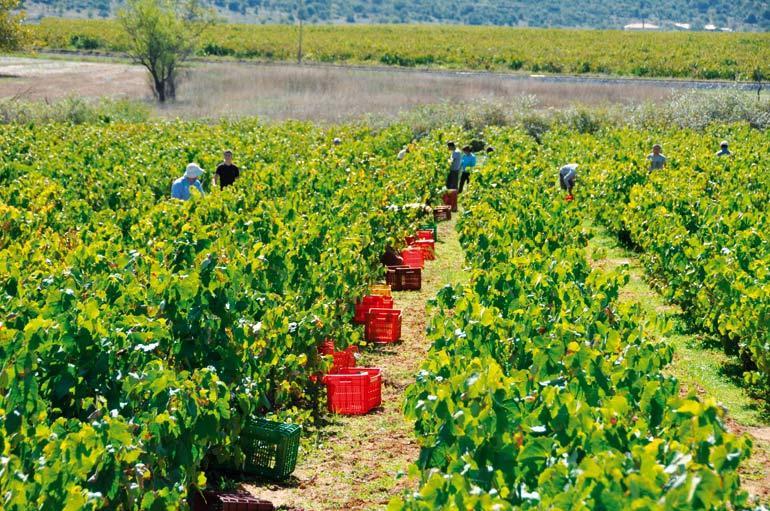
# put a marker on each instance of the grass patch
(700, 364)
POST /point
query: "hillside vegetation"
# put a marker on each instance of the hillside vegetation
(738, 15)
(696, 55)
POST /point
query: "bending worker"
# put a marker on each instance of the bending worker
(181, 187)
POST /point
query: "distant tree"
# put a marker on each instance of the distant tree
(162, 35)
(12, 33)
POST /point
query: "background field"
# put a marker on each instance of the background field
(739, 14)
(680, 55)
(278, 93)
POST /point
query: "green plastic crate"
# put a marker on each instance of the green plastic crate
(430, 227)
(270, 448)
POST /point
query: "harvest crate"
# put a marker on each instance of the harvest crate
(404, 278)
(430, 227)
(413, 257)
(383, 326)
(380, 290)
(410, 240)
(442, 213)
(229, 501)
(423, 233)
(342, 359)
(428, 248)
(354, 391)
(270, 448)
(450, 199)
(390, 276)
(369, 302)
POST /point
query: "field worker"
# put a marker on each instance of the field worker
(181, 187)
(468, 162)
(455, 166)
(226, 172)
(337, 141)
(724, 149)
(657, 160)
(403, 152)
(567, 178)
(485, 157)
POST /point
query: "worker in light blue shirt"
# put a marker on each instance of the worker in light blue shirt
(181, 187)
(568, 178)
(467, 163)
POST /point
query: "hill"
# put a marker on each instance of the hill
(733, 14)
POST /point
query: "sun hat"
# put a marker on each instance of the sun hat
(193, 171)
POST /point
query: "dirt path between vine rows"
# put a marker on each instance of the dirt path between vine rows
(699, 366)
(359, 462)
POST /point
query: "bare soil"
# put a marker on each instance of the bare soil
(755, 474)
(28, 78)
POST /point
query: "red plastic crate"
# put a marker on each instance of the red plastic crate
(428, 248)
(425, 234)
(326, 347)
(371, 302)
(342, 359)
(383, 325)
(410, 240)
(413, 258)
(354, 391)
(450, 199)
(229, 501)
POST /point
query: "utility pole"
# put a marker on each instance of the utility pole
(300, 7)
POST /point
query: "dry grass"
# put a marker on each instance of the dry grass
(335, 94)
(279, 93)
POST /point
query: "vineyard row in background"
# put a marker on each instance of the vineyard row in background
(738, 56)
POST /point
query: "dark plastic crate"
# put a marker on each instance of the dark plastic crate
(450, 199)
(442, 213)
(390, 276)
(270, 448)
(404, 278)
(229, 501)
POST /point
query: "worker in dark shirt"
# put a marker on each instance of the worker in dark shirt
(226, 172)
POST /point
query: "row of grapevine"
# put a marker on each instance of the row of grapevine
(138, 334)
(701, 225)
(683, 55)
(541, 390)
